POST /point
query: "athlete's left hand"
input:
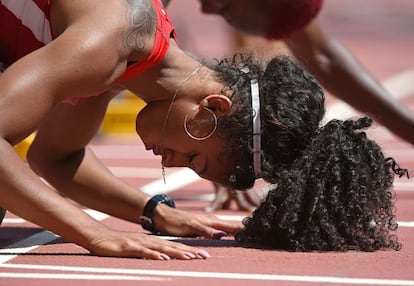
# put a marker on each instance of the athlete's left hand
(181, 223)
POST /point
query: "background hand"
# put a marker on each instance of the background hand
(247, 200)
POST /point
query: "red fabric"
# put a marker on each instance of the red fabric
(44, 5)
(290, 16)
(164, 31)
(16, 39)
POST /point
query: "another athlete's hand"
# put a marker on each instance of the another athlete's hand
(246, 200)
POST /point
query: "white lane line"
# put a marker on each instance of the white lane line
(23, 246)
(136, 172)
(405, 223)
(96, 214)
(13, 221)
(214, 275)
(231, 217)
(93, 213)
(174, 181)
(88, 277)
(11, 251)
(404, 186)
(399, 85)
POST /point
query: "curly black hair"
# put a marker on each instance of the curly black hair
(333, 185)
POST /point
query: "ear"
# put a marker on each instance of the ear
(219, 103)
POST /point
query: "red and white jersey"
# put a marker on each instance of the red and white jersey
(24, 27)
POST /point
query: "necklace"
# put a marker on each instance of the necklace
(168, 114)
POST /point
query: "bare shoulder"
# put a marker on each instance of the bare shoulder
(134, 20)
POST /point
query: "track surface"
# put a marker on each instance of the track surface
(380, 34)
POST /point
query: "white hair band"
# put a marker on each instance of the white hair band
(257, 160)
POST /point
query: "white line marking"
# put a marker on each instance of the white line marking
(38, 239)
(79, 277)
(401, 84)
(26, 245)
(176, 180)
(13, 220)
(215, 275)
(136, 172)
(405, 223)
(404, 186)
(231, 217)
(96, 214)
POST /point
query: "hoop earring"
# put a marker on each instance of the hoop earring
(204, 137)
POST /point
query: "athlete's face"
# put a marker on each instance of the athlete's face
(245, 15)
(207, 157)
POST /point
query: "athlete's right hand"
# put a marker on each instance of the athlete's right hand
(132, 244)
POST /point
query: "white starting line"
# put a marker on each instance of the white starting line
(135, 274)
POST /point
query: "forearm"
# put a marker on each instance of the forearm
(24, 194)
(342, 75)
(348, 80)
(83, 178)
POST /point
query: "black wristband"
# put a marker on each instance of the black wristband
(147, 218)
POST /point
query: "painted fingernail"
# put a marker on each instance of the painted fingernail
(219, 234)
(203, 253)
(190, 255)
(165, 256)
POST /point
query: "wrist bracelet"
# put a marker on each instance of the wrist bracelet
(147, 218)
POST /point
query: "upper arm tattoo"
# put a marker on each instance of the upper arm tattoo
(143, 19)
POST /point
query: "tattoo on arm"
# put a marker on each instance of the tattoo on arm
(143, 19)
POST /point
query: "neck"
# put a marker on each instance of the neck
(160, 82)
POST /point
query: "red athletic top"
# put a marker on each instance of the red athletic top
(25, 27)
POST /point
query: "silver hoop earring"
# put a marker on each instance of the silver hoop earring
(204, 137)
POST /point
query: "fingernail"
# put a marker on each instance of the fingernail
(165, 256)
(190, 255)
(219, 234)
(203, 253)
